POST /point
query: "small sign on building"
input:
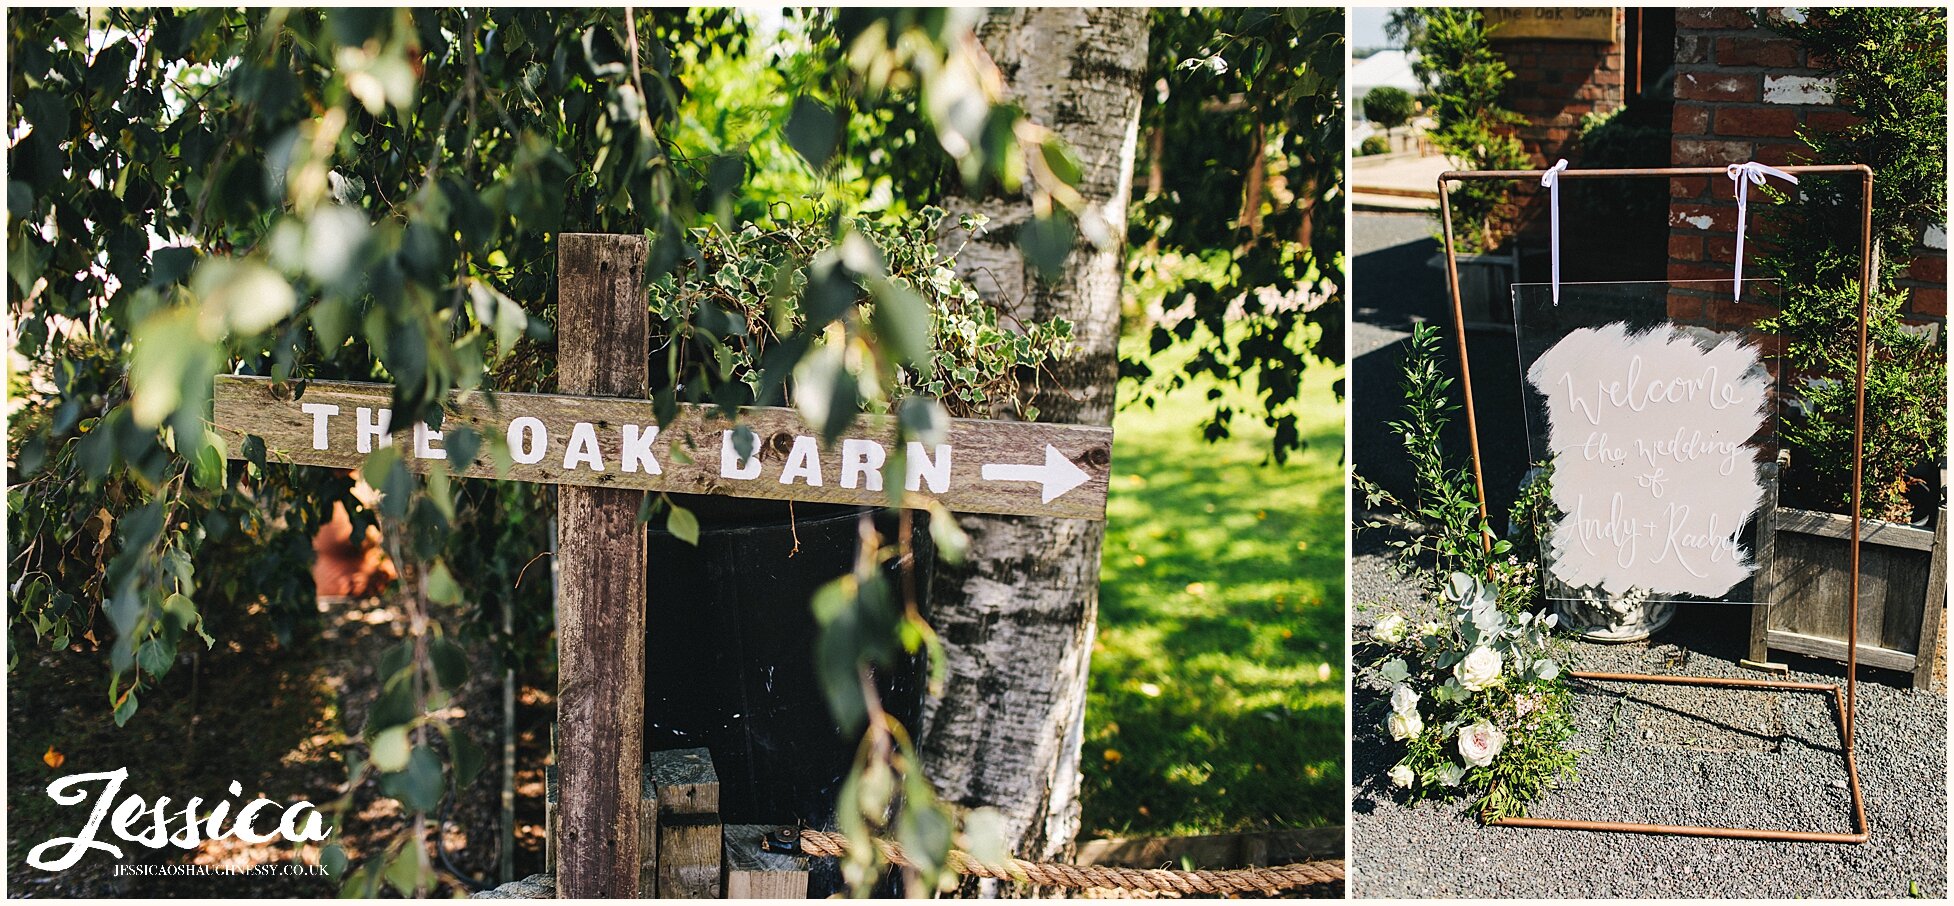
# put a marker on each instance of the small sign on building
(1552, 23)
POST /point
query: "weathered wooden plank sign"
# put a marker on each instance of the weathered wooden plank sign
(1551, 23)
(1011, 468)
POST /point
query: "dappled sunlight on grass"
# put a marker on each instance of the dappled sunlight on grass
(1216, 698)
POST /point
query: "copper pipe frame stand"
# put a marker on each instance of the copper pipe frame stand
(1844, 697)
(1863, 833)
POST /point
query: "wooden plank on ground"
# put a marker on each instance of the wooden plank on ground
(1814, 646)
(752, 873)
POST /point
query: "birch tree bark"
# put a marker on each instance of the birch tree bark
(1017, 618)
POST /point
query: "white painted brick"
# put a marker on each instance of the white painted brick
(1796, 89)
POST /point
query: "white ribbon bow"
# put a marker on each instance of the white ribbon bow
(1551, 179)
(1745, 175)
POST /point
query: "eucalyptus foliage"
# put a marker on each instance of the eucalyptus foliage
(1474, 661)
(375, 194)
(1453, 536)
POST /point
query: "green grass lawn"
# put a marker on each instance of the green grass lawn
(1216, 700)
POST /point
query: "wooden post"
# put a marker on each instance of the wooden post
(603, 326)
(550, 845)
(648, 837)
(753, 873)
(688, 824)
(1926, 650)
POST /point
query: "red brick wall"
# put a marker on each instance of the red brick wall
(1555, 84)
(1742, 92)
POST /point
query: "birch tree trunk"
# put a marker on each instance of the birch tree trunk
(1017, 618)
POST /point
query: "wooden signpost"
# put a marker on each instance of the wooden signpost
(602, 443)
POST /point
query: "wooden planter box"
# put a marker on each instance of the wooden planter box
(1485, 285)
(1902, 592)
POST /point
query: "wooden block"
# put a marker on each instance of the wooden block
(752, 873)
(689, 835)
(686, 782)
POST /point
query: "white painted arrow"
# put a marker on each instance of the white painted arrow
(1057, 475)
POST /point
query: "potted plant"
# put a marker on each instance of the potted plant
(1465, 76)
(1888, 68)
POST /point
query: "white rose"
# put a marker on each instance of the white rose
(1433, 627)
(1403, 699)
(1389, 630)
(1402, 776)
(1450, 774)
(1405, 724)
(1480, 743)
(1480, 669)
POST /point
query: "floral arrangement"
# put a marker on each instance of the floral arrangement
(1476, 698)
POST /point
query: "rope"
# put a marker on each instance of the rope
(1269, 881)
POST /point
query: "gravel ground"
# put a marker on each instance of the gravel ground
(1674, 755)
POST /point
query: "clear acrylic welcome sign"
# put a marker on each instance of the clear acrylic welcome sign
(1656, 435)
